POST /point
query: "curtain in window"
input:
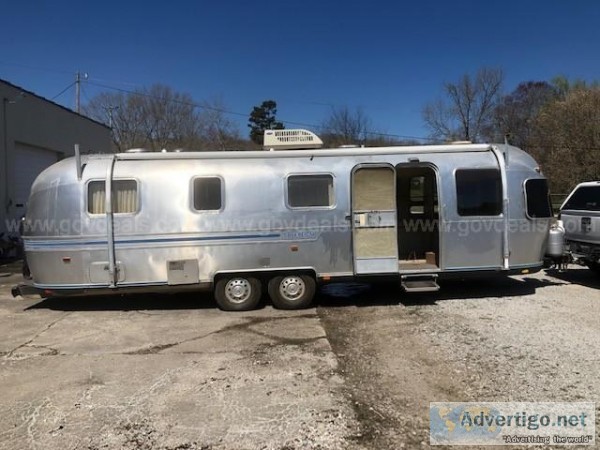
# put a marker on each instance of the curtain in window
(124, 197)
(96, 198)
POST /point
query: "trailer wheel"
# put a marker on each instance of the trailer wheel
(292, 291)
(237, 293)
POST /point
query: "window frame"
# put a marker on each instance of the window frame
(527, 200)
(286, 193)
(193, 193)
(138, 198)
(500, 199)
(563, 207)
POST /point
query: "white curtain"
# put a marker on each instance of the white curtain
(124, 197)
(96, 198)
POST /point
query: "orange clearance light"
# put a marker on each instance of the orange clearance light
(294, 248)
(326, 278)
(66, 259)
(525, 271)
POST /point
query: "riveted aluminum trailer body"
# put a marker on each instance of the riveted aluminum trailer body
(329, 213)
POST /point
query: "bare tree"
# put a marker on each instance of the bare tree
(171, 118)
(516, 112)
(345, 126)
(566, 139)
(466, 111)
(153, 118)
(563, 85)
(218, 131)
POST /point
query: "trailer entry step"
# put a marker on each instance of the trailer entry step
(420, 283)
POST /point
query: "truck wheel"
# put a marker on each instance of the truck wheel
(237, 293)
(292, 291)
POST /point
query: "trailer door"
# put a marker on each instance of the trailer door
(374, 234)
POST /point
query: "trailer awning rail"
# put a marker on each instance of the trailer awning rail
(337, 152)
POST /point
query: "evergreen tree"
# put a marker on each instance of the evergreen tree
(263, 118)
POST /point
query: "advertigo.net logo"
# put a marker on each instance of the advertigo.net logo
(489, 423)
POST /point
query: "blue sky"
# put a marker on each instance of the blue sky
(388, 57)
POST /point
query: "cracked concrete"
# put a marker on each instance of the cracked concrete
(358, 372)
(28, 343)
(73, 375)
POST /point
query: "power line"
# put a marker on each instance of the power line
(84, 93)
(180, 102)
(63, 91)
(238, 114)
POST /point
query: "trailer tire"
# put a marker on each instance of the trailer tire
(237, 293)
(292, 291)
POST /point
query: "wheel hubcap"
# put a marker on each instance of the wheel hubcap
(292, 288)
(238, 290)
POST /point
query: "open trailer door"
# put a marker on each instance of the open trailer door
(374, 234)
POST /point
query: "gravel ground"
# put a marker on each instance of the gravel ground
(528, 338)
(356, 372)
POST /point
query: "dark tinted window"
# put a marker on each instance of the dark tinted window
(417, 195)
(207, 194)
(586, 198)
(417, 189)
(479, 192)
(538, 200)
(310, 190)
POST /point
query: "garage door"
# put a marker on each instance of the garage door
(27, 163)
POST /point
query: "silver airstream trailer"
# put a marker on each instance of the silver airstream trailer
(285, 220)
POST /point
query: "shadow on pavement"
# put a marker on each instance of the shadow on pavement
(332, 295)
(354, 294)
(584, 277)
(129, 302)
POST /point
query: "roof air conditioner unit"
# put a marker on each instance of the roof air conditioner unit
(291, 140)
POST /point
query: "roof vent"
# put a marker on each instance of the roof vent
(291, 140)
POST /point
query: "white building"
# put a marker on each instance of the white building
(35, 133)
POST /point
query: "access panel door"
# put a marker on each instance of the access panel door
(375, 246)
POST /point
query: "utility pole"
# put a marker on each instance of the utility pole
(78, 90)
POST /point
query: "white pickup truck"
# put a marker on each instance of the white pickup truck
(580, 216)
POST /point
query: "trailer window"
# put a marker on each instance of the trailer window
(208, 194)
(124, 197)
(417, 195)
(586, 198)
(538, 200)
(310, 191)
(479, 192)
